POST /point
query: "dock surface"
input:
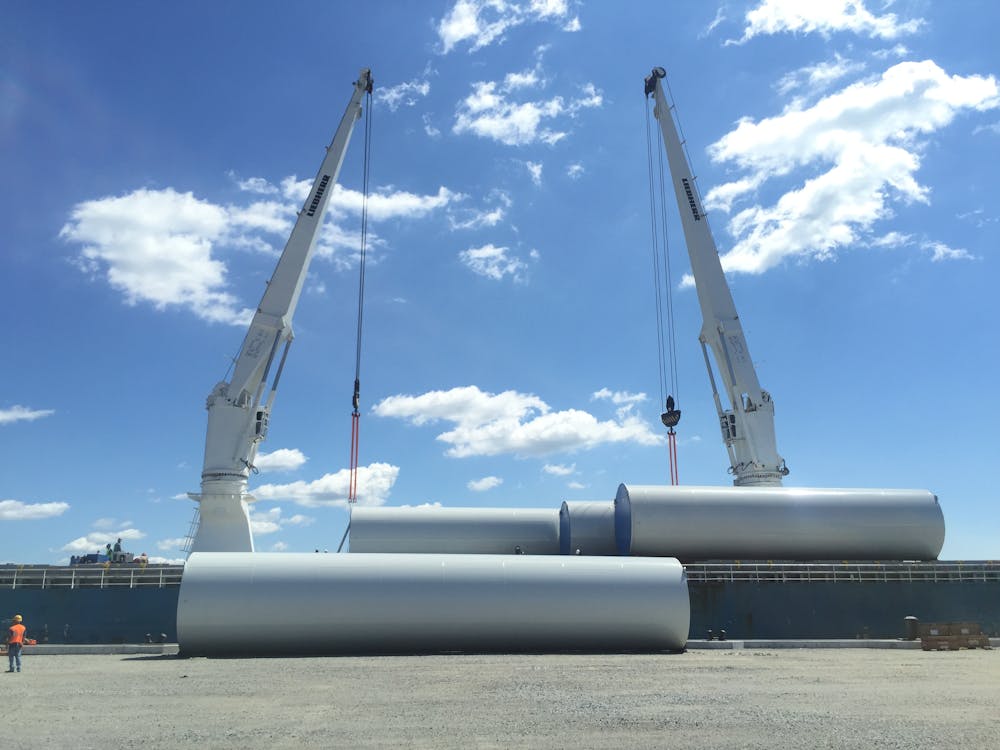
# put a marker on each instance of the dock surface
(746, 698)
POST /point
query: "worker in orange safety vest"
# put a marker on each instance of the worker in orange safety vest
(15, 642)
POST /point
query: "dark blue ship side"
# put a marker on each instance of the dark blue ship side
(119, 603)
(133, 603)
(770, 600)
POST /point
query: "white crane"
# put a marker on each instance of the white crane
(748, 423)
(238, 411)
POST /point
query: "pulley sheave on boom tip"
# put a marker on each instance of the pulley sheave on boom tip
(651, 79)
(366, 81)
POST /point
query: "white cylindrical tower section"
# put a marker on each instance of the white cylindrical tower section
(281, 603)
(587, 528)
(477, 531)
(778, 523)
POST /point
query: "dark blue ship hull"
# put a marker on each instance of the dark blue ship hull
(96, 615)
(839, 601)
(127, 603)
(748, 600)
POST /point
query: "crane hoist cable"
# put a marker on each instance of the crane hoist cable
(666, 340)
(352, 495)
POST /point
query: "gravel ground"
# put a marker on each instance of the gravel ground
(845, 698)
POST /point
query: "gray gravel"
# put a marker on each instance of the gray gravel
(847, 698)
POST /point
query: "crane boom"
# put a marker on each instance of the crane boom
(238, 413)
(748, 423)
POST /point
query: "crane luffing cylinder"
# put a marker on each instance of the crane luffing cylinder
(293, 603)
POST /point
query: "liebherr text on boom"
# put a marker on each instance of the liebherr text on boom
(238, 411)
(748, 423)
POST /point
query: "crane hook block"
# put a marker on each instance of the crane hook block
(671, 416)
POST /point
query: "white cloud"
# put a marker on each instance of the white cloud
(618, 398)
(819, 77)
(574, 171)
(723, 196)
(720, 16)
(468, 405)
(866, 137)
(978, 218)
(559, 470)
(896, 50)
(488, 113)
(825, 18)
(374, 485)
(15, 510)
(576, 486)
(624, 400)
(429, 127)
(254, 185)
(493, 263)
(23, 414)
(155, 246)
(487, 424)
(402, 94)
(391, 204)
(283, 459)
(482, 22)
(592, 97)
(940, 251)
(161, 247)
(993, 127)
(549, 8)
(473, 218)
(535, 170)
(271, 217)
(891, 240)
(524, 79)
(97, 540)
(263, 522)
(484, 484)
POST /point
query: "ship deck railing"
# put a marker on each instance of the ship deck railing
(755, 571)
(758, 571)
(90, 577)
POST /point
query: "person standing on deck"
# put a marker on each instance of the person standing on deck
(15, 642)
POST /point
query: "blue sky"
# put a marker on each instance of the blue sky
(154, 157)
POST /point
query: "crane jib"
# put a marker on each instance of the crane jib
(319, 195)
(690, 196)
(238, 411)
(748, 426)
